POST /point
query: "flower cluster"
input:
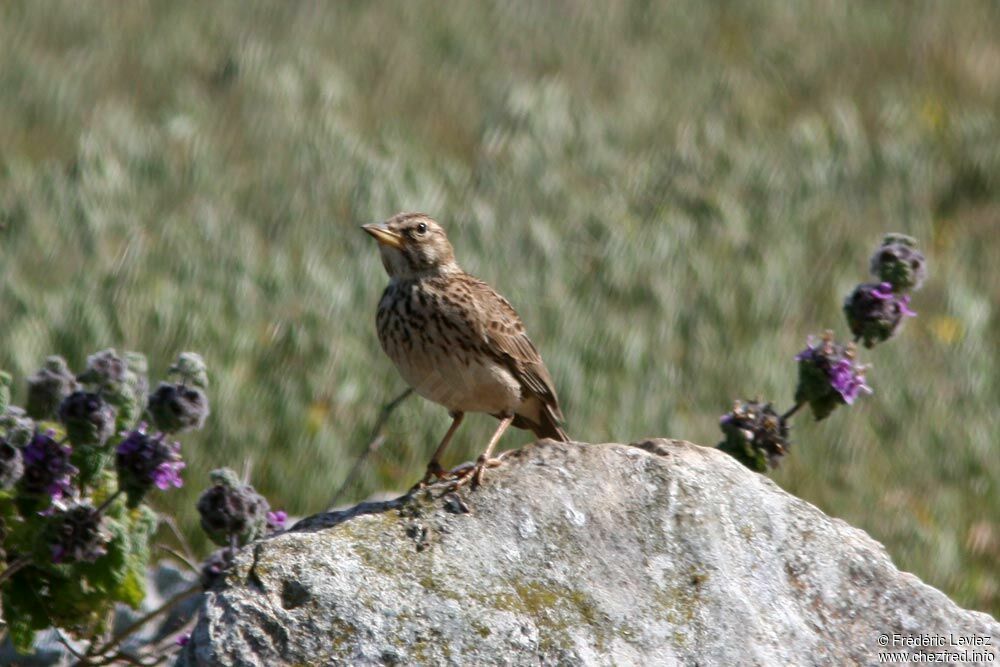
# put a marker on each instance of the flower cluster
(874, 312)
(233, 514)
(144, 461)
(898, 262)
(47, 468)
(76, 534)
(830, 374)
(88, 419)
(230, 510)
(80, 441)
(105, 369)
(48, 387)
(178, 407)
(755, 435)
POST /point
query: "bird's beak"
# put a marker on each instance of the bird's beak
(382, 234)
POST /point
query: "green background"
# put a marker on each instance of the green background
(673, 195)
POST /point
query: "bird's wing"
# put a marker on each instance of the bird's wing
(505, 337)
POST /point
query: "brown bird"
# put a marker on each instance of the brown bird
(456, 341)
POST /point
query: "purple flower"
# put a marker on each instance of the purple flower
(276, 520)
(904, 306)
(144, 460)
(167, 474)
(47, 467)
(848, 380)
(882, 291)
(829, 375)
(182, 640)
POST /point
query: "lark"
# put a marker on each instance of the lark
(457, 342)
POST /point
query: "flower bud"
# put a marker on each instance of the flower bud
(229, 508)
(177, 407)
(899, 263)
(48, 388)
(874, 313)
(76, 534)
(19, 427)
(105, 370)
(89, 421)
(755, 435)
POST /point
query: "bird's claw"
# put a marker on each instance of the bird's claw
(434, 472)
(473, 474)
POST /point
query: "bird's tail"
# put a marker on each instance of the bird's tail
(549, 426)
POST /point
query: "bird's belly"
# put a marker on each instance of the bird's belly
(462, 384)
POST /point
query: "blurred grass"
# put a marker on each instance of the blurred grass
(673, 195)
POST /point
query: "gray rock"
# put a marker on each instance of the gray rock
(656, 553)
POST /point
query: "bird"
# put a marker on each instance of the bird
(457, 342)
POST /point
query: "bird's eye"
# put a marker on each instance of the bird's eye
(422, 228)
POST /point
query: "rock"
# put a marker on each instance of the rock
(660, 552)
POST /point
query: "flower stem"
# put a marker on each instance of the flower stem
(162, 609)
(791, 411)
(374, 442)
(110, 499)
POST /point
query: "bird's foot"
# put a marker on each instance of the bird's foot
(434, 472)
(473, 474)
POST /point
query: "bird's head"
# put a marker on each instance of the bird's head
(411, 245)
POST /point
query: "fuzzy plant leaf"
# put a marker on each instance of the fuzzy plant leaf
(22, 626)
(5, 382)
(127, 405)
(90, 461)
(137, 376)
(191, 369)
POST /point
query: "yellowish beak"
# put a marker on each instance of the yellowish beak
(383, 235)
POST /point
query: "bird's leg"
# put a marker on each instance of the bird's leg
(434, 469)
(475, 474)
